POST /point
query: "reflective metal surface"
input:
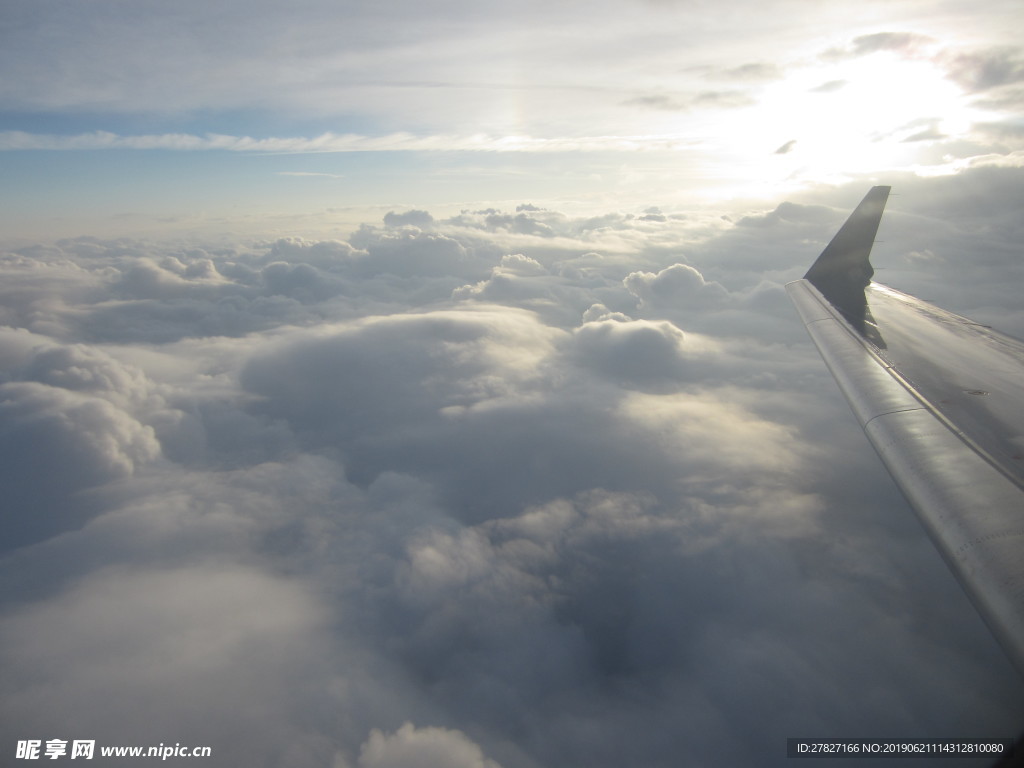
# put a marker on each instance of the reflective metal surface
(973, 376)
(941, 399)
(972, 510)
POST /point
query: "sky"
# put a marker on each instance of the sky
(403, 384)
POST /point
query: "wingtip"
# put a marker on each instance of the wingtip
(843, 270)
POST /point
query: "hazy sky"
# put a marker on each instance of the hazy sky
(149, 112)
(405, 385)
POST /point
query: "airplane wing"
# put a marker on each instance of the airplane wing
(941, 398)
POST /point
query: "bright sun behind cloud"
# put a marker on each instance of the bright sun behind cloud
(851, 117)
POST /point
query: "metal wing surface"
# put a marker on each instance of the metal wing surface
(941, 398)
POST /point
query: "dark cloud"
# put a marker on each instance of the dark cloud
(905, 43)
(980, 71)
(890, 41)
(505, 489)
(56, 444)
(653, 214)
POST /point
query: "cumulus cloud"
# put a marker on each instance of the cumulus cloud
(420, 219)
(69, 427)
(634, 350)
(511, 488)
(675, 286)
(411, 747)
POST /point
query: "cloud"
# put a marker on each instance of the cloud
(980, 71)
(753, 71)
(676, 286)
(211, 638)
(420, 219)
(830, 87)
(929, 134)
(411, 747)
(903, 43)
(890, 41)
(57, 443)
(312, 174)
(634, 352)
(975, 70)
(331, 142)
(712, 99)
(510, 488)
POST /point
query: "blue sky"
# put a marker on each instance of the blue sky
(413, 385)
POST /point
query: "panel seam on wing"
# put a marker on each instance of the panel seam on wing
(895, 410)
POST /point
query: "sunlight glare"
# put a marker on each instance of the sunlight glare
(868, 115)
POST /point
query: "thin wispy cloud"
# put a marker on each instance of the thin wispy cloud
(311, 174)
(330, 142)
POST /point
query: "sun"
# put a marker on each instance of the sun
(859, 116)
(872, 113)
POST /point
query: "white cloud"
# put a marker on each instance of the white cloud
(148, 656)
(411, 747)
(508, 488)
(678, 285)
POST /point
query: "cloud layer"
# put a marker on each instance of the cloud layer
(511, 488)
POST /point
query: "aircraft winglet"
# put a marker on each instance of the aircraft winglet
(843, 270)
